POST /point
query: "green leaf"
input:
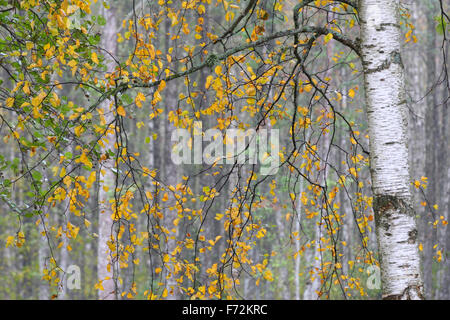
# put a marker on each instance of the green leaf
(36, 175)
(127, 99)
(441, 26)
(101, 20)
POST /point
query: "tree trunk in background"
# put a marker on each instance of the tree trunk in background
(387, 120)
(416, 85)
(44, 255)
(345, 207)
(314, 260)
(64, 254)
(313, 266)
(105, 223)
(442, 178)
(283, 269)
(445, 279)
(444, 235)
(297, 230)
(432, 125)
(65, 259)
(171, 173)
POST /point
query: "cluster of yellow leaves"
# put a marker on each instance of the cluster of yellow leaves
(421, 183)
(18, 240)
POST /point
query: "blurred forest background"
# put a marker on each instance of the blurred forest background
(290, 244)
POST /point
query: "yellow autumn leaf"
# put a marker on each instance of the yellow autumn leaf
(209, 79)
(9, 102)
(78, 130)
(327, 38)
(268, 275)
(139, 99)
(201, 9)
(20, 239)
(439, 256)
(9, 241)
(351, 93)
(308, 87)
(251, 91)
(189, 244)
(67, 181)
(36, 101)
(26, 88)
(99, 286)
(121, 111)
(218, 70)
(229, 16)
(94, 58)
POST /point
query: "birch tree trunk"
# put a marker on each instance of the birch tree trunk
(105, 222)
(387, 120)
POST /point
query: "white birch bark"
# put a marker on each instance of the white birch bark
(387, 119)
(105, 222)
